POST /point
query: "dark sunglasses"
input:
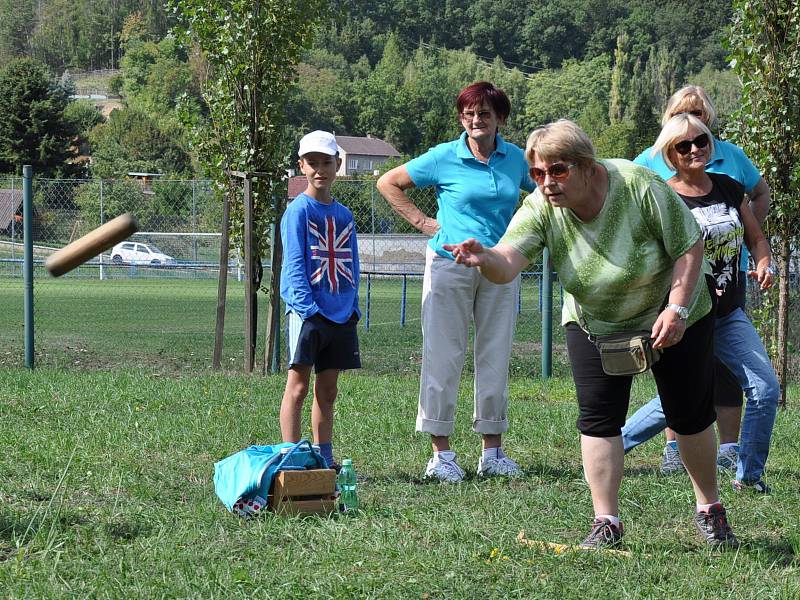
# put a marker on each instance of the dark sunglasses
(694, 113)
(558, 172)
(684, 147)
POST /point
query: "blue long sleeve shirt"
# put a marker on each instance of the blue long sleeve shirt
(320, 260)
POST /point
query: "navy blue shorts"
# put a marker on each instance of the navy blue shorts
(323, 343)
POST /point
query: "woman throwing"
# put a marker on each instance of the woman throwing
(477, 178)
(630, 254)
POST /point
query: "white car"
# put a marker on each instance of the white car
(136, 253)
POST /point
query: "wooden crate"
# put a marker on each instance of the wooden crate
(304, 492)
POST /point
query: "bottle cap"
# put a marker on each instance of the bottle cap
(347, 462)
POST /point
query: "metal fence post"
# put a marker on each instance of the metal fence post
(372, 207)
(194, 222)
(27, 227)
(13, 222)
(102, 211)
(547, 315)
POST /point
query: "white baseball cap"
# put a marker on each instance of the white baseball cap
(318, 141)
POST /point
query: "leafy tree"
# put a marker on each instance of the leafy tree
(33, 128)
(567, 92)
(16, 25)
(764, 40)
(135, 140)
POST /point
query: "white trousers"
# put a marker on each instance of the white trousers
(452, 296)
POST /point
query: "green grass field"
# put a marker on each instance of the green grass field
(166, 325)
(107, 492)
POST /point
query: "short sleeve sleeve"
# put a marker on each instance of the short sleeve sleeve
(424, 169)
(525, 232)
(669, 219)
(750, 173)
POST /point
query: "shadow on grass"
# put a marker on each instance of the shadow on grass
(536, 471)
(778, 552)
(126, 531)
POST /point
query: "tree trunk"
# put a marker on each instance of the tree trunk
(222, 285)
(273, 316)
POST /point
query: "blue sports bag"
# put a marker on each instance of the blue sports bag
(243, 480)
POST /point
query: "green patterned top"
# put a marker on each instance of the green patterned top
(618, 266)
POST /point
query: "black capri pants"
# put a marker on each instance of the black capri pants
(684, 376)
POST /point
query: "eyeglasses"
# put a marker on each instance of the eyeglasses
(557, 172)
(469, 115)
(694, 113)
(685, 146)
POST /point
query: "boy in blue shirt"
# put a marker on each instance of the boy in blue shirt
(319, 284)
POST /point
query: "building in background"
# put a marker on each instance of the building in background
(363, 154)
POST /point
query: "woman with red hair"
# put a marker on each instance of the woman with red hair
(477, 179)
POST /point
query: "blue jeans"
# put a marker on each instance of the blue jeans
(737, 345)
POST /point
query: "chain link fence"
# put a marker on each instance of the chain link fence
(151, 301)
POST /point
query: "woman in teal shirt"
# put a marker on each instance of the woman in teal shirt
(477, 179)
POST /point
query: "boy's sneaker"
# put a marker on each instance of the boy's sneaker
(727, 459)
(492, 467)
(603, 535)
(446, 471)
(714, 528)
(759, 487)
(671, 461)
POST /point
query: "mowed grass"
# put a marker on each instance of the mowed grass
(164, 324)
(107, 492)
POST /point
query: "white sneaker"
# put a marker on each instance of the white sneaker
(492, 467)
(447, 471)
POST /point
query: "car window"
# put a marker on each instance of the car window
(142, 248)
(127, 246)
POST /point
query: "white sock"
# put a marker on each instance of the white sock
(725, 446)
(614, 519)
(490, 453)
(705, 507)
(445, 455)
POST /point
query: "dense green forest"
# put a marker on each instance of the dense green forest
(390, 68)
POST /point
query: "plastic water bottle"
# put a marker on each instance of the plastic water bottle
(348, 499)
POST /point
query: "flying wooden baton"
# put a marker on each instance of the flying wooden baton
(90, 245)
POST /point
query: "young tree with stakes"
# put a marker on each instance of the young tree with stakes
(251, 49)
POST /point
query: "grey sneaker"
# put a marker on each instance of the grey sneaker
(493, 467)
(602, 535)
(759, 487)
(671, 461)
(714, 528)
(728, 459)
(447, 471)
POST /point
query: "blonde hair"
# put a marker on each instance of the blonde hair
(676, 127)
(560, 140)
(686, 99)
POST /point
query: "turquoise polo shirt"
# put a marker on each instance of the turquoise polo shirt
(475, 199)
(728, 159)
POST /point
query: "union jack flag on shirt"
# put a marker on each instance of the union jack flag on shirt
(333, 252)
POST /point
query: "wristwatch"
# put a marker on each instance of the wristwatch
(683, 312)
